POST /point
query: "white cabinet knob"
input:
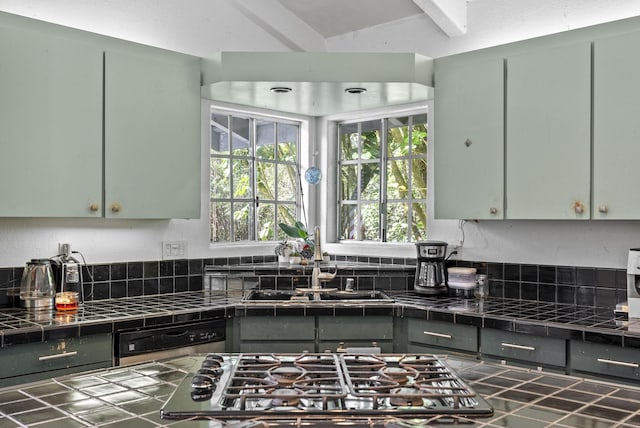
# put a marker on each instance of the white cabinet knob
(493, 210)
(578, 207)
(603, 209)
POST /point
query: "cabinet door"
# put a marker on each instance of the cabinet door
(152, 135)
(50, 126)
(548, 142)
(469, 144)
(616, 128)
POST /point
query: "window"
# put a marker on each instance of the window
(383, 179)
(254, 178)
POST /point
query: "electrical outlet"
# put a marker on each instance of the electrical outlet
(64, 249)
(174, 250)
(455, 246)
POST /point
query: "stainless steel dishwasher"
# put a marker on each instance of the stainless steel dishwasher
(170, 341)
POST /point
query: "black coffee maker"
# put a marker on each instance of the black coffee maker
(430, 271)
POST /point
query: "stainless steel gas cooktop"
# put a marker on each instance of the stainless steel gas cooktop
(325, 385)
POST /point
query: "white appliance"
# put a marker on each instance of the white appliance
(633, 283)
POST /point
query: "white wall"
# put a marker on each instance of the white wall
(203, 27)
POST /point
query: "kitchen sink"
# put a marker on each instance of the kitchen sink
(321, 296)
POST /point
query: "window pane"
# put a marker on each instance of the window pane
(266, 222)
(241, 221)
(370, 222)
(398, 137)
(219, 134)
(287, 142)
(397, 179)
(265, 140)
(220, 221)
(397, 222)
(286, 214)
(348, 221)
(370, 182)
(419, 221)
(348, 182)
(371, 139)
(419, 183)
(241, 179)
(287, 182)
(419, 135)
(266, 180)
(349, 141)
(219, 178)
(240, 136)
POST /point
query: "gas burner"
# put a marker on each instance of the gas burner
(373, 384)
(257, 362)
(286, 375)
(285, 397)
(360, 362)
(316, 362)
(402, 375)
(408, 397)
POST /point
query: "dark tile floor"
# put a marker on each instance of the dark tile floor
(132, 397)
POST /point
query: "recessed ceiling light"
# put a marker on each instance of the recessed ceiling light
(355, 90)
(280, 90)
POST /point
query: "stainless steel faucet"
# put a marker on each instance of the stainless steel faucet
(317, 258)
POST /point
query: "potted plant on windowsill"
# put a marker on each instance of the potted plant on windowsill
(299, 231)
(294, 258)
(283, 250)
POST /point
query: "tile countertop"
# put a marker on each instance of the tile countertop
(544, 319)
(132, 396)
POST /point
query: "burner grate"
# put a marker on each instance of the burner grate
(248, 386)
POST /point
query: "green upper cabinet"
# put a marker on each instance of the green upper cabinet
(469, 143)
(50, 126)
(548, 138)
(616, 127)
(152, 135)
(96, 127)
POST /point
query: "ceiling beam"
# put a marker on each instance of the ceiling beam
(280, 23)
(449, 15)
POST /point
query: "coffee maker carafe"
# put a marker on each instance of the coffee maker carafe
(37, 287)
(430, 272)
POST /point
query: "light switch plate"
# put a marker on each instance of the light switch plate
(174, 250)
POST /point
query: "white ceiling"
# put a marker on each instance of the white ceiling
(335, 17)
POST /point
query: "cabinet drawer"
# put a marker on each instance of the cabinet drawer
(55, 354)
(604, 360)
(346, 328)
(446, 335)
(523, 347)
(277, 328)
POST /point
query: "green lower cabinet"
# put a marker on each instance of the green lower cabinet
(439, 337)
(276, 334)
(355, 332)
(604, 360)
(525, 348)
(42, 360)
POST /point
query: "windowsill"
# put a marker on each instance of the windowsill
(371, 249)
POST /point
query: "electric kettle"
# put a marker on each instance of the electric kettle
(38, 285)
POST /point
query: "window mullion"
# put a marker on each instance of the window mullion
(382, 207)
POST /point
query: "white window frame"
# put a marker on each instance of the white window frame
(257, 247)
(329, 197)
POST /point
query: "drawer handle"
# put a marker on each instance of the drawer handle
(618, 363)
(56, 356)
(431, 333)
(511, 345)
